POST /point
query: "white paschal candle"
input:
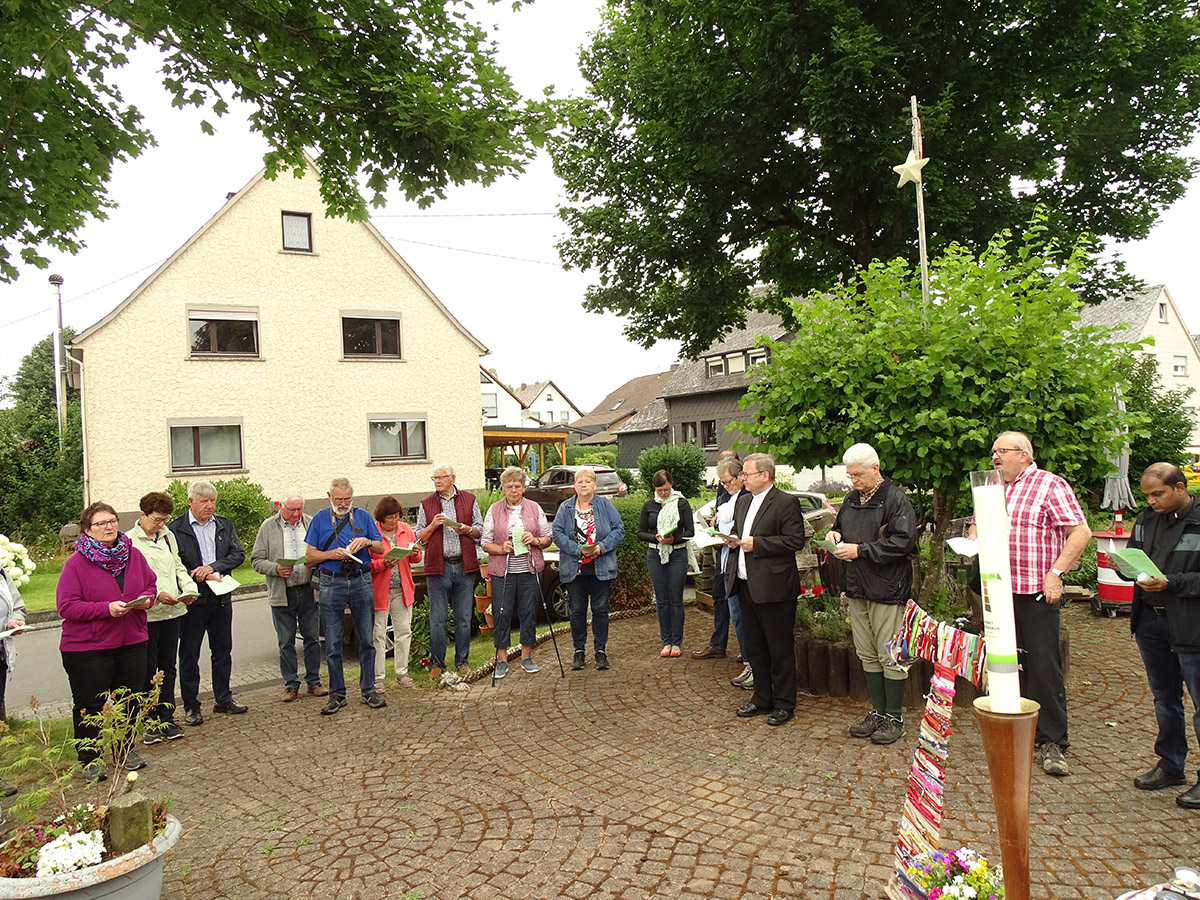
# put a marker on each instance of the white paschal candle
(991, 522)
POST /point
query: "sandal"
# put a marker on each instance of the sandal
(666, 651)
(405, 681)
(675, 651)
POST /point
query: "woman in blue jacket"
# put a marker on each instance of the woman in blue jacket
(587, 530)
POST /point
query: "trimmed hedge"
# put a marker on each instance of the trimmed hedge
(632, 588)
(686, 463)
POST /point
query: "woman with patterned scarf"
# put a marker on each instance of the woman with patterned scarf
(104, 591)
(666, 525)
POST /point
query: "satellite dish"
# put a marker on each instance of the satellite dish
(528, 414)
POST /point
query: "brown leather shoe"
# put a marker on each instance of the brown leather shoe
(289, 694)
(318, 690)
(435, 673)
(709, 652)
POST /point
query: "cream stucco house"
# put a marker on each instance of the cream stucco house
(284, 345)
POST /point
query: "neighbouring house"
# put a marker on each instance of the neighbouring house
(501, 407)
(284, 345)
(600, 425)
(1153, 314)
(548, 403)
(646, 428)
(702, 394)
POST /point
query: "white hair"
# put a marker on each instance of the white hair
(444, 467)
(861, 455)
(289, 495)
(1020, 441)
(340, 482)
(201, 489)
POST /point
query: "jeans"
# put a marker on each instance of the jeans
(1041, 666)
(457, 588)
(668, 581)
(336, 595)
(518, 591)
(301, 611)
(725, 610)
(579, 590)
(162, 652)
(92, 674)
(212, 617)
(1167, 672)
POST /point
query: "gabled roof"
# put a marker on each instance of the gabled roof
(625, 401)
(496, 381)
(527, 393)
(691, 377)
(652, 418)
(1128, 315)
(232, 201)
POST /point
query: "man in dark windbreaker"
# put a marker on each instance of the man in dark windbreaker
(876, 534)
(1165, 621)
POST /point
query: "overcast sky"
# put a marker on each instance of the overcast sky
(486, 268)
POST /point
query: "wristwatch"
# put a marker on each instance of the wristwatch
(1058, 572)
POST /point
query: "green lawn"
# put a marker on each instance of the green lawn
(39, 593)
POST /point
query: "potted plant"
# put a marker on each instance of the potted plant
(483, 603)
(115, 843)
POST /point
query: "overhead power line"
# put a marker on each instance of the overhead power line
(539, 262)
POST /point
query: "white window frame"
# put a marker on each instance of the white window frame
(1179, 365)
(491, 411)
(710, 441)
(757, 356)
(1162, 312)
(735, 364)
(715, 366)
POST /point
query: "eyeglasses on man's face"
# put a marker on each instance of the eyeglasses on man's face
(1000, 451)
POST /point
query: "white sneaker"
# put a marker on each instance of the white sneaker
(740, 680)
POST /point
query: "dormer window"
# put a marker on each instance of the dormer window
(716, 366)
(297, 232)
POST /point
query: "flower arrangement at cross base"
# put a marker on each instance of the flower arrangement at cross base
(961, 874)
(78, 836)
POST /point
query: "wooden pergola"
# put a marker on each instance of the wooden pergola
(519, 441)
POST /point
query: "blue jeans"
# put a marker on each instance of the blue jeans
(301, 611)
(518, 591)
(336, 595)
(668, 581)
(1167, 672)
(725, 610)
(453, 587)
(579, 590)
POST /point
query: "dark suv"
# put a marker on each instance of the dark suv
(557, 484)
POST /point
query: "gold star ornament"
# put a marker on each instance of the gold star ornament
(910, 170)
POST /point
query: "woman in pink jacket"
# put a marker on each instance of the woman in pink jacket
(104, 590)
(392, 582)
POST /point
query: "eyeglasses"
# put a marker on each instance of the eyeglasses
(997, 451)
(106, 523)
(438, 477)
(728, 481)
(157, 519)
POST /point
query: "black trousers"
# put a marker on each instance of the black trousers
(209, 617)
(770, 648)
(162, 652)
(92, 674)
(1041, 666)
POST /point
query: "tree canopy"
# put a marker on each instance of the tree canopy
(729, 143)
(1167, 409)
(407, 94)
(1000, 348)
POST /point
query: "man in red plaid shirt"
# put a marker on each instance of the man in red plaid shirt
(1047, 535)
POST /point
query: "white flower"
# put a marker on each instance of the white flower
(16, 561)
(69, 852)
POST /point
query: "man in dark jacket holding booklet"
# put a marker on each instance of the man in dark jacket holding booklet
(1165, 621)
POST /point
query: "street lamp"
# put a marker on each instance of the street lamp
(60, 398)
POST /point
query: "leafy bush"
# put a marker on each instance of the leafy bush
(685, 462)
(238, 499)
(602, 458)
(632, 481)
(820, 612)
(632, 586)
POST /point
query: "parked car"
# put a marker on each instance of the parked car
(557, 484)
(815, 508)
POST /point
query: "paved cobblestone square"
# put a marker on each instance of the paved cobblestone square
(638, 782)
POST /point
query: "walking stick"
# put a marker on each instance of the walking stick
(562, 672)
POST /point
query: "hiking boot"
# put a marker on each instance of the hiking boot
(133, 762)
(888, 730)
(740, 680)
(318, 690)
(601, 660)
(290, 694)
(172, 732)
(579, 660)
(868, 726)
(374, 700)
(334, 704)
(1053, 762)
(96, 770)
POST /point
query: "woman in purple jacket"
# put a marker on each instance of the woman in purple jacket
(104, 591)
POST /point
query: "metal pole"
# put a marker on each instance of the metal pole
(60, 396)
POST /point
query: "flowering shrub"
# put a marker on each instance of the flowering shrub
(15, 560)
(959, 875)
(71, 851)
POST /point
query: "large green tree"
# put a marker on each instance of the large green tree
(729, 143)
(1170, 428)
(41, 486)
(999, 348)
(386, 93)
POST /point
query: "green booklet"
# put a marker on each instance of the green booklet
(825, 544)
(1131, 563)
(290, 562)
(188, 595)
(399, 553)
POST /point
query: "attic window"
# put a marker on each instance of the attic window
(757, 355)
(1162, 312)
(616, 406)
(297, 232)
(735, 363)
